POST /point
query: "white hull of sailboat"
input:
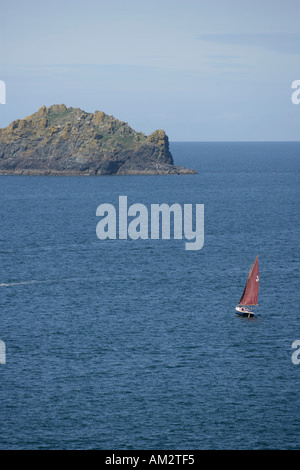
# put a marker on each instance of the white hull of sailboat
(244, 312)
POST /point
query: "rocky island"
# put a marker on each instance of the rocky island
(68, 141)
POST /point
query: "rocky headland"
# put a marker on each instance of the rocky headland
(68, 141)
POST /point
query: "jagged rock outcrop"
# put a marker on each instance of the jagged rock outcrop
(68, 141)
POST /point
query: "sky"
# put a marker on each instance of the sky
(202, 70)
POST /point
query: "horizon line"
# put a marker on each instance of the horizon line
(232, 141)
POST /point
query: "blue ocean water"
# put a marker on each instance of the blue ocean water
(134, 344)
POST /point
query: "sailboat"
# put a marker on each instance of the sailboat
(250, 295)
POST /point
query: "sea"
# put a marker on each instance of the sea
(134, 344)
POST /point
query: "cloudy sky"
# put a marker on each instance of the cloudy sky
(203, 70)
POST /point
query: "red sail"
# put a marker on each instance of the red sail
(250, 294)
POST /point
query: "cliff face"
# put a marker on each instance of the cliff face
(61, 140)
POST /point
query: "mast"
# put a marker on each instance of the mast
(250, 294)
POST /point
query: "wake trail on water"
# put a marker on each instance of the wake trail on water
(35, 281)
